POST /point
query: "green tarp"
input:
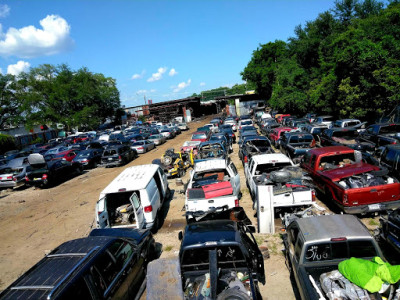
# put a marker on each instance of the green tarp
(369, 274)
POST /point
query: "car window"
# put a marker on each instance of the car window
(77, 290)
(122, 252)
(104, 270)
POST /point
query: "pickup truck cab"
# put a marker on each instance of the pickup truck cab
(213, 183)
(354, 186)
(346, 123)
(316, 245)
(217, 259)
(133, 199)
(296, 144)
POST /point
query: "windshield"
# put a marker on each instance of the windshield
(84, 154)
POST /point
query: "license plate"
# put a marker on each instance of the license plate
(36, 179)
(374, 207)
(110, 158)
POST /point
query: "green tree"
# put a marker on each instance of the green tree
(10, 113)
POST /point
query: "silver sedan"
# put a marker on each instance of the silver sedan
(143, 146)
(157, 139)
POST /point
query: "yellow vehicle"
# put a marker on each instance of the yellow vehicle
(176, 163)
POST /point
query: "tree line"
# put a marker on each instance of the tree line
(346, 63)
(57, 94)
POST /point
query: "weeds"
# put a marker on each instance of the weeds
(168, 248)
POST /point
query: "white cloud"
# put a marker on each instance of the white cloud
(182, 85)
(172, 72)
(29, 41)
(202, 83)
(158, 75)
(4, 10)
(138, 76)
(146, 91)
(20, 66)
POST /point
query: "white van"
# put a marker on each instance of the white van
(133, 199)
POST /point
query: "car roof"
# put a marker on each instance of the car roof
(132, 178)
(199, 233)
(57, 268)
(210, 165)
(332, 226)
(324, 150)
(267, 158)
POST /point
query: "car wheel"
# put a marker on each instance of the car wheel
(95, 164)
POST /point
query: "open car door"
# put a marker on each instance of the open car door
(102, 214)
(138, 209)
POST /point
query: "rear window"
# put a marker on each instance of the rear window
(301, 139)
(110, 152)
(268, 168)
(138, 144)
(340, 250)
(226, 255)
(247, 122)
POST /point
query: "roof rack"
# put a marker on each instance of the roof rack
(55, 287)
(85, 256)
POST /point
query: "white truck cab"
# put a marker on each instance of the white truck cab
(133, 199)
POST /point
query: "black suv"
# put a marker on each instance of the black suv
(117, 155)
(108, 264)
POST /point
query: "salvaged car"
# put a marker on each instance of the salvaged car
(389, 229)
(117, 155)
(45, 173)
(348, 182)
(108, 264)
(210, 150)
(12, 174)
(254, 145)
(296, 144)
(314, 247)
(348, 137)
(381, 134)
(213, 183)
(217, 259)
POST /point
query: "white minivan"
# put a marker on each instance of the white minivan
(133, 199)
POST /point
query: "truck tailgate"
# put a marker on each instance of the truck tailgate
(203, 204)
(373, 194)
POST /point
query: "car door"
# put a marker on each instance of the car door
(138, 209)
(102, 213)
(236, 178)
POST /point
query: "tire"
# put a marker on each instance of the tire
(156, 223)
(181, 173)
(95, 164)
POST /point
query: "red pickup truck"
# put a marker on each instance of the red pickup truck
(353, 185)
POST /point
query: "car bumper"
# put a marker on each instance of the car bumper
(362, 209)
(8, 184)
(112, 164)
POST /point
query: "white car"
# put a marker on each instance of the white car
(133, 199)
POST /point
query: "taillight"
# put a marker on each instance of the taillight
(44, 176)
(84, 160)
(148, 209)
(26, 178)
(236, 202)
(9, 177)
(246, 159)
(394, 142)
(140, 148)
(14, 179)
(313, 196)
(119, 157)
(312, 144)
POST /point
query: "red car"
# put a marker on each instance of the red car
(68, 155)
(201, 136)
(276, 134)
(280, 117)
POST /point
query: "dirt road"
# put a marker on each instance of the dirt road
(34, 221)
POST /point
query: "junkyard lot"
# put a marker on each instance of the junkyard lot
(35, 221)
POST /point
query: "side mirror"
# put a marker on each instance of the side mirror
(251, 228)
(180, 235)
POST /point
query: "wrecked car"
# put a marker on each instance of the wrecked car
(218, 259)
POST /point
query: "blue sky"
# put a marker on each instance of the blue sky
(163, 50)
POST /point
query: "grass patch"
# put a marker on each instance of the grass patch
(259, 239)
(168, 248)
(372, 222)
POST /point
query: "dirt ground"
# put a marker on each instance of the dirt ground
(34, 221)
